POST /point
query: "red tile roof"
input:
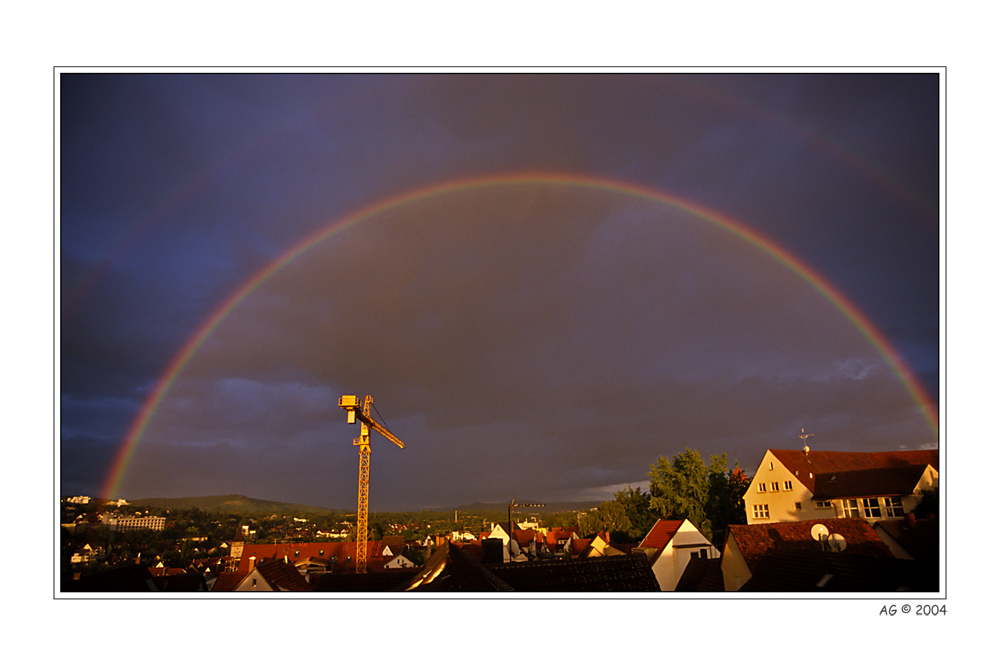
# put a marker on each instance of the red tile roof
(839, 572)
(473, 549)
(337, 552)
(890, 481)
(754, 541)
(557, 534)
(802, 464)
(524, 537)
(578, 547)
(284, 576)
(227, 581)
(661, 534)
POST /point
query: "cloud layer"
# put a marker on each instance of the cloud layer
(530, 340)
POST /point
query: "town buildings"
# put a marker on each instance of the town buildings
(817, 521)
(124, 523)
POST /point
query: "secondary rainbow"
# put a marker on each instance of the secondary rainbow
(738, 229)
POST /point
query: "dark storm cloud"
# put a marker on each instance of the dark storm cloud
(530, 340)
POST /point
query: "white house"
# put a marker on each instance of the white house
(670, 545)
(273, 576)
(399, 562)
(519, 549)
(796, 485)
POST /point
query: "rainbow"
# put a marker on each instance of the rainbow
(571, 180)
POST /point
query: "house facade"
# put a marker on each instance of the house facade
(670, 545)
(797, 485)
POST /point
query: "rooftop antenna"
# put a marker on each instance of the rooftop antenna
(804, 437)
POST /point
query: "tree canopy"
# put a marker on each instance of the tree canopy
(627, 518)
(710, 496)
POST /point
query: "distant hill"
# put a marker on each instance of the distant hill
(240, 504)
(550, 507)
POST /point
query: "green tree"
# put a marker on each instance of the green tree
(608, 517)
(678, 489)
(636, 505)
(710, 496)
(625, 518)
(929, 504)
(725, 497)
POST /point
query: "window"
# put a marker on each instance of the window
(761, 511)
(798, 506)
(871, 508)
(772, 466)
(762, 487)
(774, 486)
(851, 509)
(894, 507)
(788, 485)
(824, 505)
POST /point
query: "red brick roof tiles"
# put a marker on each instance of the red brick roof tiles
(661, 534)
(227, 581)
(283, 576)
(578, 547)
(754, 541)
(830, 462)
(868, 482)
(337, 552)
(524, 537)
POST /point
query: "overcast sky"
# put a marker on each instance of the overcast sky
(543, 335)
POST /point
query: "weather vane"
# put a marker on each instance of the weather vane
(804, 437)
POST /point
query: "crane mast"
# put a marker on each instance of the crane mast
(362, 411)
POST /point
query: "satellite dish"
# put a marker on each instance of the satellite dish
(819, 532)
(837, 542)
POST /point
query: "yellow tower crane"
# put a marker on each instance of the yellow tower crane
(358, 411)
